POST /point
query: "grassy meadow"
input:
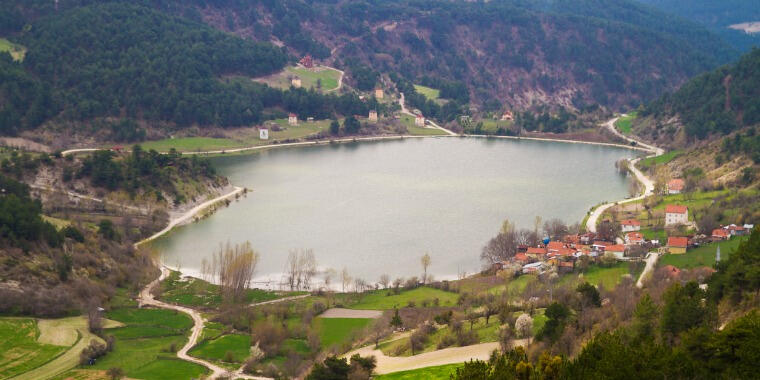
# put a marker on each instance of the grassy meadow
(624, 123)
(327, 77)
(428, 92)
(231, 348)
(660, 160)
(16, 51)
(703, 256)
(194, 292)
(442, 372)
(20, 351)
(385, 299)
(336, 331)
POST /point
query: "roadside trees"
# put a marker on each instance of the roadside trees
(425, 261)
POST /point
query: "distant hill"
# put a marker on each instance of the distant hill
(715, 103)
(717, 16)
(510, 52)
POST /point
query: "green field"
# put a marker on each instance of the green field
(703, 256)
(624, 123)
(237, 345)
(485, 332)
(442, 372)
(16, 51)
(195, 292)
(408, 122)
(661, 159)
(328, 77)
(247, 139)
(336, 331)
(386, 300)
(19, 349)
(609, 277)
(143, 351)
(428, 92)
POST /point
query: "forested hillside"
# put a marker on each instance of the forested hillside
(715, 103)
(516, 53)
(717, 15)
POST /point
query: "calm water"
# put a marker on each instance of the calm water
(376, 207)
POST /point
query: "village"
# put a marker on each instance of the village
(619, 241)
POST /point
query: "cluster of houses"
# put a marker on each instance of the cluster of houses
(562, 255)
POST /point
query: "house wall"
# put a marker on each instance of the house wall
(672, 218)
(676, 250)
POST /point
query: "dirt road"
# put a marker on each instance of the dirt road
(402, 103)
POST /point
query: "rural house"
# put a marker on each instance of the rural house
(296, 82)
(720, 234)
(618, 250)
(292, 119)
(307, 61)
(419, 120)
(372, 115)
(676, 214)
(634, 237)
(264, 134)
(379, 93)
(675, 186)
(677, 244)
(629, 225)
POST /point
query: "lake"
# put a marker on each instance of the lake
(377, 207)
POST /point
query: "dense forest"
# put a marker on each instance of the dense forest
(718, 102)
(612, 52)
(133, 62)
(717, 16)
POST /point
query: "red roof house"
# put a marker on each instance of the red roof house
(676, 185)
(721, 234)
(675, 209)
(634, 238)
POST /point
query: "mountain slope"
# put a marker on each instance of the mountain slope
(518, 52)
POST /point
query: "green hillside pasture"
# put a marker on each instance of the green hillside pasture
(195, 292)
(337, 331)
(428, 92)
(485, 332)
(442, 372)
(238, 345)
(625, 122)
(16, 51)
(19, 349)
(661, 159)
(596, 275)
(145, 347)
(703, 256)
(327, 76)
(386, 300)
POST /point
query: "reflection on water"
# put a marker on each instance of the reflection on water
(376, 207)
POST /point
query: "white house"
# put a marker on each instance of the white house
(419, 120)
(292, 119)
(676, 214)
(630, 225)
(264, 134)
(537, 267)
(372, 115)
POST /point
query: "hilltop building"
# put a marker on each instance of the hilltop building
(372, 115)
(307, 61)
(676, 214)
(292, 119)
(264, 134)
(379, 93)
(630, 225)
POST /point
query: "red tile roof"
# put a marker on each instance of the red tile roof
(720, 232)
(676, 184)
(634, 236)
(615, 248)
(536, 251)
(521, 257)
(630, 222)
(675, 209)
(555, 245)
(677, 241)
(568, 264)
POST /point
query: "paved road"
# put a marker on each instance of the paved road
(644, 180)
(651, 262)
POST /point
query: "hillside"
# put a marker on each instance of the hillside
(709, 106)
(513, 53)
(718, 16)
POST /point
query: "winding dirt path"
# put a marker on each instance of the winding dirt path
(402, 103)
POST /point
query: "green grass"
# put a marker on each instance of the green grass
(485, 332)
(408, 122)
(703, 256)
(661, 159)
(385, 299)
(539, 320)
(442, 372)
(624, 123)
(336, 331)
(58, 223)
(237, 344)
(141, 353)
(19, 349)
(597, 275)
(16, 51)
(191, 144)
(651, 234)
(328, 76)
(168, 368)
(195, 292)
(428, 92)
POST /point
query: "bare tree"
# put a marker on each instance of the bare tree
(301, 267)
(385, 280)
(345, 278)
(555, 229)
(425, 261)
(235, 266)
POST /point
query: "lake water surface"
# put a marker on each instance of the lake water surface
(376, 207)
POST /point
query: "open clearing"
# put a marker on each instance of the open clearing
(326, 76)
(336, 331)
(194, 292)
(428, 92)
(609, 277)
(441, 372)
(16, 51)
(408, 121)
(747, 27)
(337, 312)
(19, 349)
(624, 123)
(703, 256)
(231, 348)
(385, 299)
